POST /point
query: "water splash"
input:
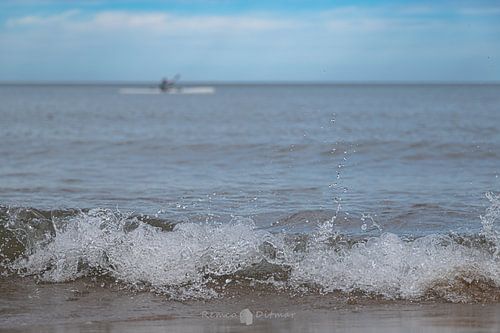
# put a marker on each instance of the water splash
(191, 259)
(490, 219)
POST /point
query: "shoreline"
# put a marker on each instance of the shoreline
(73, 307)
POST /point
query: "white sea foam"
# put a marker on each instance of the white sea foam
(183, 262)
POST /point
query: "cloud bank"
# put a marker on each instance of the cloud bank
(411, 43)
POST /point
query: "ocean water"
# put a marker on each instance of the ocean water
(386, 192)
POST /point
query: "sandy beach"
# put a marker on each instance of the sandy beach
(84, 307)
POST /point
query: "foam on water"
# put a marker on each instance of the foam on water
(187, 261)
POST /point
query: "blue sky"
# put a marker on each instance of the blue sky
(224, 40)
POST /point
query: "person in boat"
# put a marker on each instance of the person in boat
(165, 84)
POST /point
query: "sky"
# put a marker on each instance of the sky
(250, 41)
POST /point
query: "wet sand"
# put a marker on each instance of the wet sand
(84, 307)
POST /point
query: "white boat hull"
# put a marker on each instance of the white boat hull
(173, 91)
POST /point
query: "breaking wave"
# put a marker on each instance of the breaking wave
(205, 260)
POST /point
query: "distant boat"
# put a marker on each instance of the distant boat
(206, 90)
(168, 87)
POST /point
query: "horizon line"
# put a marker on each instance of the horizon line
(249, 82)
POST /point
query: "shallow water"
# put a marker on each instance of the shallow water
(384, 192)
(83, 307)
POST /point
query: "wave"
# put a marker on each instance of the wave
(204, 260)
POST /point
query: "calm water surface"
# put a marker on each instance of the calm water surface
(249, 150)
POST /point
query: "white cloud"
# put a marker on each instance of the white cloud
(350, 43)
(159, 22)
(338, 20)
(479, 11)
(167, 22)
(33, 20)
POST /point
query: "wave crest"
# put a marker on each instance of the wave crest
(204, 260)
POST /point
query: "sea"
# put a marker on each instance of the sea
(349, 193)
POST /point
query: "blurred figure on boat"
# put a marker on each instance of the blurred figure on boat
(167, 84)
